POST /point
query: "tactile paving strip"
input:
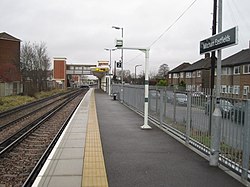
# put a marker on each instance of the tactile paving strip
(94, 172)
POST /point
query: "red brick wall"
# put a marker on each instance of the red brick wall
(10, 60)
(59, 69)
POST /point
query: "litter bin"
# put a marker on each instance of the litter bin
(114, 96)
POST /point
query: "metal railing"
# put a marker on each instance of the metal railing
(189, 115)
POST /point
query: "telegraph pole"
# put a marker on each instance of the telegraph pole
(213, 60)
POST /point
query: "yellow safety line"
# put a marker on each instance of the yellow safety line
(94, 172)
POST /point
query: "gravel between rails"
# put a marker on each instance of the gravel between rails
(15, 166)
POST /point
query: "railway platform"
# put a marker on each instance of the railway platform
(103, 145)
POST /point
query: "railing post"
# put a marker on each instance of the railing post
(246, 139)
(165, 102)
(174, 103)
(162, 103)
(188, 123)
(156, 102)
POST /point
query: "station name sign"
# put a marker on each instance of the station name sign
(219, 41)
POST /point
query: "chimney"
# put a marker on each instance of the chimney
(207, 55)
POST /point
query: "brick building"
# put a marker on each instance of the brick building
(10, 75)
(176, 75)
(196, 76)
(235, 75)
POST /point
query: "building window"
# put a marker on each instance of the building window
(176, 75)
(236, 89)
(188, 75)
(246, 69)
(236, 70)
(169, 76)
(193, 88)
(223, 71)
(223, 89)
(226, 71)
(182, 75)
(78, 67)
(230, 89)
(198, 73)
(193, 74)
(198, 88)
(245, 90)
(189, 87)
(71, 67)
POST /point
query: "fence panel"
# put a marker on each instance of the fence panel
(190, 115)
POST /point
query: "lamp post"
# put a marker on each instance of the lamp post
(110, 67)
(135, 70)
(120, 28)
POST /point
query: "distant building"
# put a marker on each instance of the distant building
(235, 75)
(176, 75)
(10, 75)
(71, 75)
(197, 76)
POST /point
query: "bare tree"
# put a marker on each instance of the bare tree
(35, 64)
(42, 65)
(163, 71)
(152, 75)
(126, 75)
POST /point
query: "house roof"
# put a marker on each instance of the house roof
(238, 58)
(204, 63)
(6, 36)
(180, 67)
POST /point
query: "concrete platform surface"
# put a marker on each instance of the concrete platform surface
(149, 158)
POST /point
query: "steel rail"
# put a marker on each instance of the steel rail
(26, 115)
(19, 108)
(12, 141)
(34, 173)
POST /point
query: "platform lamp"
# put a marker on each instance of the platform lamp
(120, 28)
(110, 67)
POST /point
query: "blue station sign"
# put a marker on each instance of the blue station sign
(219, 41)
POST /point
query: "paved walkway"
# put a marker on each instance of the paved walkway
(149, 158)
(77, 158)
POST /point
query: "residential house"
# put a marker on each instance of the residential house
(196, 76)
(235, 74)
(175, 76)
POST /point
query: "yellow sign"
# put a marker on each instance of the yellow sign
(101, 69)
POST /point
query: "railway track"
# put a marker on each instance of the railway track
(10, 116)
(23, 154)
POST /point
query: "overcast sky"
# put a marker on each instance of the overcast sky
(80, 29)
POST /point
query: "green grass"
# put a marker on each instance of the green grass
(9, 102)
